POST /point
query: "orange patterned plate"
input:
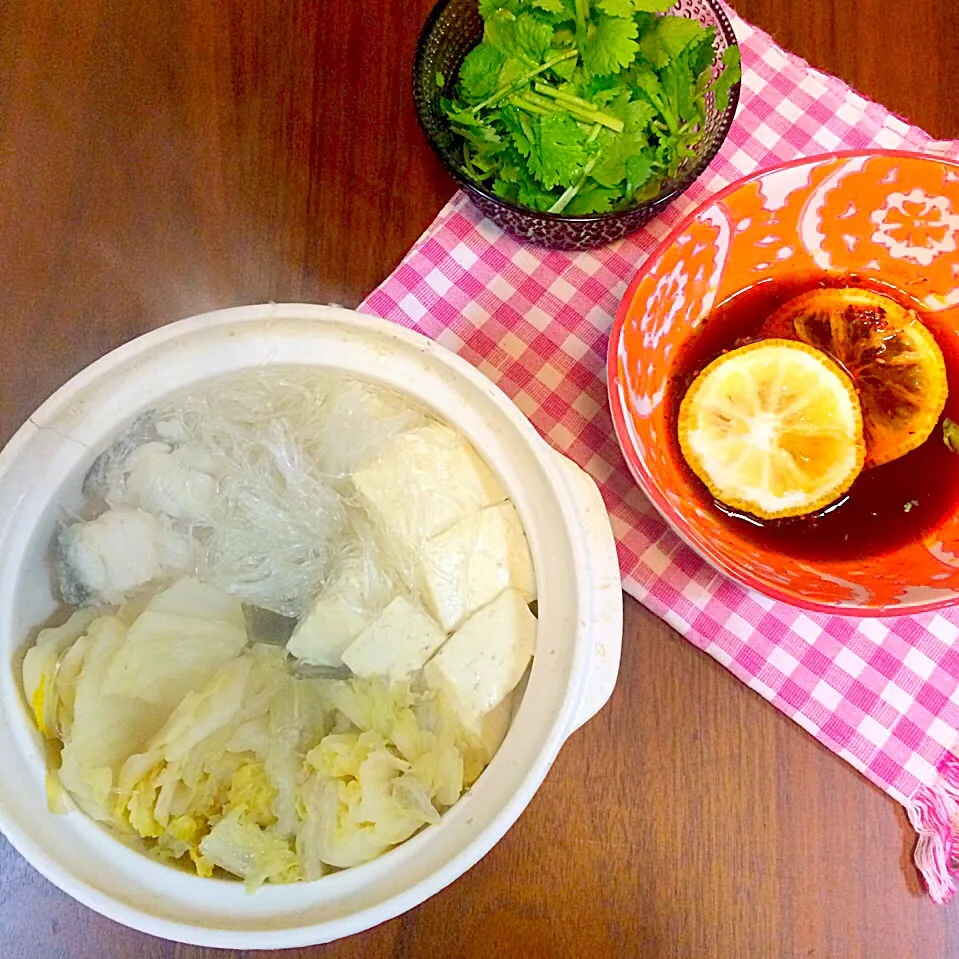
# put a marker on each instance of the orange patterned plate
(888, 217)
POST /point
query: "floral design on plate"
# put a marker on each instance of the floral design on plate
(766, 213)
(676, 296)
(916, 226)
(893, 216)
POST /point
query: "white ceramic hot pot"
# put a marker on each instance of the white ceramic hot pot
(573, 673)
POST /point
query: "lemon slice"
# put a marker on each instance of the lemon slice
(893, 359)
(773, 428)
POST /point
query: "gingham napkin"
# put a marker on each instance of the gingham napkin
(882, 693)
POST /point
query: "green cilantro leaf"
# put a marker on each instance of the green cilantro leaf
(481, 160)
(533, 37)
(509, 190)
(483, 136)
(461, 116)
(646, 81)
(610, 45)
(522, 36)
(678, 89)
(601, 90)
(644, 21)
(699, 54)
(653, 6)
(610, 168)
(482, 146)
(668, 156)
(533, 195)
(626, 8)
(512, 175)
(512, 71)
(636, 118)
(616, 8)
(617, 150)
(616, 104)
(639, 169)
(565, 68)
(499, 31)
(556, 11)
(512, 166)
(593, 199)
(519, 129)
(731, 75)
(668, 37)
(505, 189)
(488, 7)
(516, 185)
(479, 72)
(558, 151)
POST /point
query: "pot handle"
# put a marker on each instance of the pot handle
(603, 615)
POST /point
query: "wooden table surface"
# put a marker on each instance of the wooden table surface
(160, 159)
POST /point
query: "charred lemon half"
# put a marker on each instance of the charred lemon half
(892, 357)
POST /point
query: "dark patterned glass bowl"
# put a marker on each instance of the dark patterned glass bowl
(452, 30)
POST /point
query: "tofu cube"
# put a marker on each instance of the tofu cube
(353, 598)
(423, 482)
(485, 658)
(355, 595)
(321, 636)
(494, 726)
(396, 644)
(471, 563)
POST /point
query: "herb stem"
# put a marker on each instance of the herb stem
(536, 99)
(467, 162)
(582, 13)
(571, 191)
(662, 110)
(522, 81)
(670, 119)
(541, 106)
(582, 109)
(523, 104)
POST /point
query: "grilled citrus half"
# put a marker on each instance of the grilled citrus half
(773, 428)
(893, 359)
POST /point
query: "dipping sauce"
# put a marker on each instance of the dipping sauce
(887, 505)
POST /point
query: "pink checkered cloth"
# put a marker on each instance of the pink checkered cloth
(882, 693)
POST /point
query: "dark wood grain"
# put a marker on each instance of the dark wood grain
(161, 159)
(900, 53)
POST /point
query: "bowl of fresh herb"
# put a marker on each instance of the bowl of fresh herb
(572, 122)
